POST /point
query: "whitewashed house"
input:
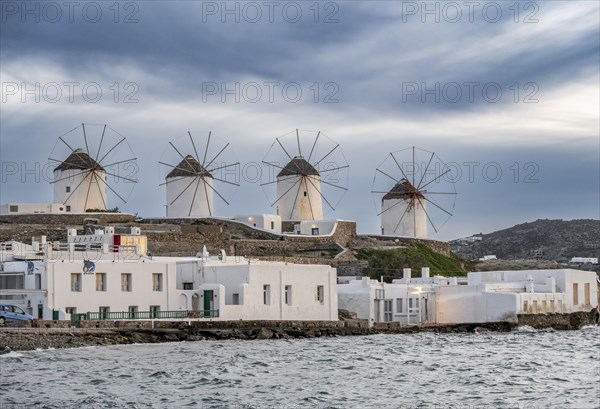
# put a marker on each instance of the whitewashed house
(267, 222)
(486, 296)
(111, 276)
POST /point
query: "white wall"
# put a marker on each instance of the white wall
(91, 193)
(326, 227)
(294, 205)
(198, 192)
(88, 299)
(398, 221)
(28, 208)
(248, 280)
(261, 221)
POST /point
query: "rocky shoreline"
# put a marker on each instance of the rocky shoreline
(97, 333)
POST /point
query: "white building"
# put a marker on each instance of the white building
(584, 260)
(403, 212)
(488, 258)
(109, 275)
(299, 191)
(32, 208)
(315, 227)
(189, 190)
(486, 297)
(267, 222)
(80, 183)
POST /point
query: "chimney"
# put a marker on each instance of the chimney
(406, 273)
(424, 272)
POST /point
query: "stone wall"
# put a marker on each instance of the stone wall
(65, 219)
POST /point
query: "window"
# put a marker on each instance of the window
(575, 294)
(315, 231)
(321, 294)
(75, 281)
(68, 189)
(38, 281)
(126, 282)
(154, 310)
(157, 282)
(534, 309)
(188, 286)
(100, 281)
(71, 310)
(399, 305)
(551, 306)
(379, 294)
(586, 294)
(272, 225)
(235, 299)
(68, 208)
(288, 295)
(544, 307)
(305, 194)
(387, 310)
(12, 282)
(13, 208)
(266, 294)
(525, 307)
(559, 306)
(132, 309)
(411, 303)
(104, 312)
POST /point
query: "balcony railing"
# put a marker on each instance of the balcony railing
(144, 315)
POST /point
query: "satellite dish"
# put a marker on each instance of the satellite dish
(89, 267)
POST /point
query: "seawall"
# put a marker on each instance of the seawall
(59, 334)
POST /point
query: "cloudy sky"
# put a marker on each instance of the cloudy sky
(507, 94)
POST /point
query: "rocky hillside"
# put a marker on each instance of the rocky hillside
(544, 239)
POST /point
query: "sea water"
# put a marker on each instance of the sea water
(522, 369)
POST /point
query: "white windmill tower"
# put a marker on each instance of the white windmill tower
(304, 180)
(80, 170)
(190, 184)
(82, 180)
(408, 206)
(300, 184)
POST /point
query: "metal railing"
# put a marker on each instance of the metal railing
(144, 315)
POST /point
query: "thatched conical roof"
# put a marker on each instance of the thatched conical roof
(298, 166)
(402, 190)
(80, 160)
(189, 167)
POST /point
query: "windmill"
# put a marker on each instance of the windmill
(95, 162)
(304, 184)
(191, 178)
(413, 188)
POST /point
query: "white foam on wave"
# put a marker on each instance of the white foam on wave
(525, 329)
(12, 354)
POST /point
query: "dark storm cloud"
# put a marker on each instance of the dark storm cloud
(369, 56)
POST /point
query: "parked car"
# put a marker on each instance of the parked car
(12, 312)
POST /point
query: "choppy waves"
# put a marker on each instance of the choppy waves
(524, 368)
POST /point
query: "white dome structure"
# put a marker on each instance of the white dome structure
(80, 183)
(403, 212)
(299, 191)
(189, 190)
